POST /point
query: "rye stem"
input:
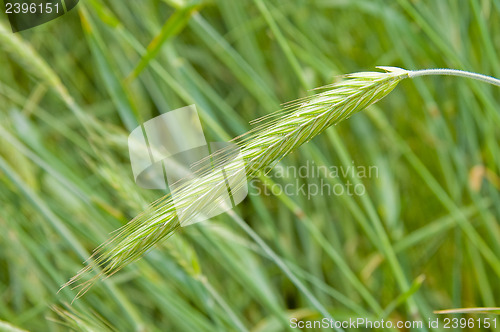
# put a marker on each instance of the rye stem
(455, 72)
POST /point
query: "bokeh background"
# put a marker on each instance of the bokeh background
(424, 237)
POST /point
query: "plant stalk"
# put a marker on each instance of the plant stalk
(454, 72)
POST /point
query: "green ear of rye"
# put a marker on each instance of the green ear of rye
(260, 149)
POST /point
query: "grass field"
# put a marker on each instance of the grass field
(422, 232)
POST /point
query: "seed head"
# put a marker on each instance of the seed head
(260, 149)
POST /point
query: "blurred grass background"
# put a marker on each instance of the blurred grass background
(425, 236)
